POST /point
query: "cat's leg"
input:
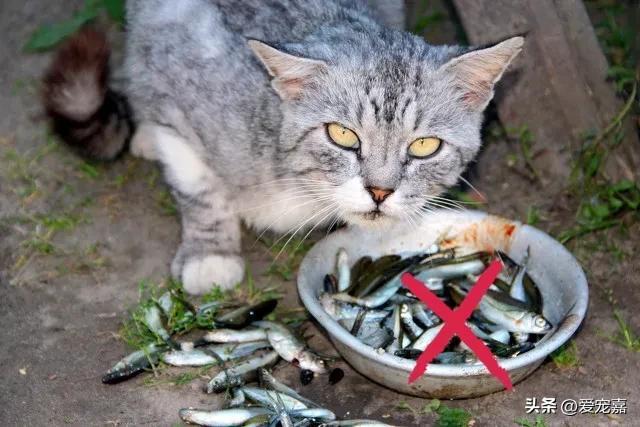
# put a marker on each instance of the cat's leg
(210, 250)
(143, 142)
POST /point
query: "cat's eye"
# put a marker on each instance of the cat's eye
(342, 136)
(424, 147)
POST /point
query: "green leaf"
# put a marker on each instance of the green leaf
(115, 9)
(452, 417)
(600, 210)
(615, 203)
(623, 185)
(47, 36)
(593, 164)
(427, 21)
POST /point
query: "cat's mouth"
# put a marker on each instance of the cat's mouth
(373, 215)
(372, 219)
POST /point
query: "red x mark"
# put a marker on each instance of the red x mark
(454, 323)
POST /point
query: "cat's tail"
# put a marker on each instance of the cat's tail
(84, 111)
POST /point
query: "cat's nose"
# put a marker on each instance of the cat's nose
(379, 194)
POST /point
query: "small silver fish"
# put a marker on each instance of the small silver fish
(427, 336)
(510, 315)
(166, 303)
(270, 381)
(237, 398)
(517, 291)
(398, 333)
(340, 310)
(236, 375)
(452, 271)
(152, 318)
(344, 271)
(357, 423)
(375, 298)
(267, 397)
(501, 335)
(212, 354)
(317, 414)
(223, 417)
(413, 330)
(520, 337)
(425, 317)
(290, 348)
(133, 364)
(234, 336)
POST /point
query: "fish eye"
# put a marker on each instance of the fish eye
(540, 321)
(342, 136)
(425, 147)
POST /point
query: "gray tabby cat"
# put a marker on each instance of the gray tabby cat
(290, 115)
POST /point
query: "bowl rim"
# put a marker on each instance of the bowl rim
(551, 342)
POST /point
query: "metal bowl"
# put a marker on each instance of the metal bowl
(556, 272)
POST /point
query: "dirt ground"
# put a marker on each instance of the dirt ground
(77, 238)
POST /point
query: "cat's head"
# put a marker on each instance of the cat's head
(376, 129)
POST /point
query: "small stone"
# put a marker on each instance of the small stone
(23, 371)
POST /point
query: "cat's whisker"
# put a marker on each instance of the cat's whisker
(331, 212)
(334, 222)
(443, 199)
(290, 181)
(321, 212)
(296, 227)
(466, 181)
(409, 218)
(444, 208)
(315, 196)
(445, 205)
(283, 213)
(459, 203)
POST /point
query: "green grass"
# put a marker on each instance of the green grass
(47, 207)
(403, 405)
(538, 421)
(135, 333)
(446, 416)
(523, 138)
(533, 215)
(566, 356)
(181, 320)
(428, 19)
(616, 34)
(286, 255)
(602, 202)
(48, 36)
(166, 203)
(38, 231)
(625, 336)
(22, 169)
(89, 169)
(163, 377)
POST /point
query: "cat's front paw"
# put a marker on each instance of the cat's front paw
(200, 274)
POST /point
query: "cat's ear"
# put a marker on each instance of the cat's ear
(290, 73)
(477, 72)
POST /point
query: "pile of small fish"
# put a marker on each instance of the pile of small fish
(239, 340)
(271, 403)
(368, 300)
(233, 334)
